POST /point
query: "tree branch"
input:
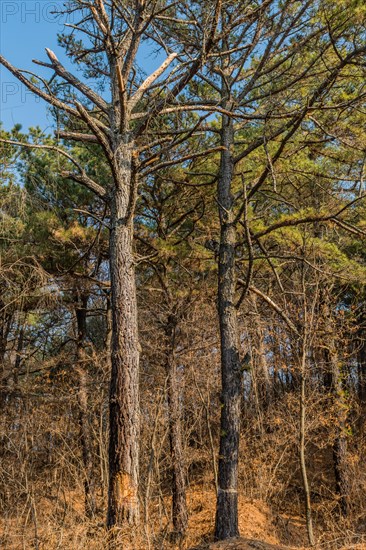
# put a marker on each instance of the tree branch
(81, 177)
(150, 80)
(73, 80)
(274, 306)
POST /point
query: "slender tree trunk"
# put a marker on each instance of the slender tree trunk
(5, 326)
(333, 381)
(263, 378)
(108, 331)
(340, 471)
(304, 474)
(124, 415)
(227, 497)
(86, 443)
(5, 323)
(86, 438)
(179, 502)
(18, 356)
(362, 362)
(340, 442)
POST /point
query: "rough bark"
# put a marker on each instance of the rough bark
(179, 502)
(227, 498)
(124, 415)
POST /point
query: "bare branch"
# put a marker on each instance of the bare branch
(76, 136)
(80, 177)
(274, 306)
(93, 125)
(150, 80)
(167, 163)
(33, 88)
(73, 80)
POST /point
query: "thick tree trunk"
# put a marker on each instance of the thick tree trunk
(227, 497)
(124, 415)
(86, 438)
(179, 502)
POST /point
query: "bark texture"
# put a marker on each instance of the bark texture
(123, 501)
(226, 525)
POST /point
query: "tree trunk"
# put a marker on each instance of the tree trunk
(262, 372)
(124, 416)
(362, 361)
(304, 474)
(179, 502)
(5, 325)
(18, 356)
(86, 438)
(333, 380)
(340, 443)
(108, 331)
(231, 375)
(340, 471)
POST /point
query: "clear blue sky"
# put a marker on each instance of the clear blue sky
(27, 27)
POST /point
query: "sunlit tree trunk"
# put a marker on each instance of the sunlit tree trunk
(123, 501)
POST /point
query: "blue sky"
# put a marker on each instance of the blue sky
(27, 27)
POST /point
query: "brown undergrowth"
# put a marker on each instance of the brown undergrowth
(58, 522)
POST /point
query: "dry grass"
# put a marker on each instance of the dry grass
(59, 524)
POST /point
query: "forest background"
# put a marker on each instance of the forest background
(182, 270)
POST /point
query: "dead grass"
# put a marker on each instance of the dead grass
(59, 524)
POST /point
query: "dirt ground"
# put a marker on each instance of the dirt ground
(55, 525)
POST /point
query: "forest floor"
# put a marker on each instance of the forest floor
(59, 523)
(256, 522)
